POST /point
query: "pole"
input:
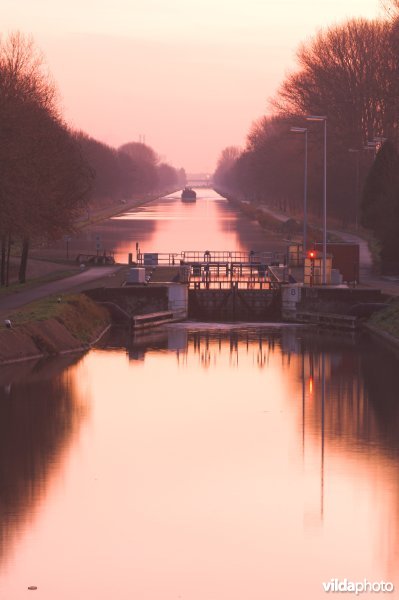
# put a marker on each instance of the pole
(325, 205)
(305, 183)
(324, 269)
(357, 191)
(305, 195)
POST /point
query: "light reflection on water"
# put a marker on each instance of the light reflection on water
(223, 462)
(170, 225)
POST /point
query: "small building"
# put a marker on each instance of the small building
(345, 259)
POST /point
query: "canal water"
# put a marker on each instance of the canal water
(170, 225)
(198, 461)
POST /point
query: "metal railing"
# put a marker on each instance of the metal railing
(211, 257)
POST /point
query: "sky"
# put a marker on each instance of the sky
(189, 75)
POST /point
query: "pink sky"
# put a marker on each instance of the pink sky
(190, 75)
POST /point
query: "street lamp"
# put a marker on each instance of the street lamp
(375, 144)
(324, 120)
(371, 146)
(356, 152)
(305, 184)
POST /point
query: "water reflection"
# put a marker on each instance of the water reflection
(225, 461)
(170, 225)
(40, 415)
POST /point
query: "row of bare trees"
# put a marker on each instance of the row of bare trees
(43, 179)
(120, 173)
(349, 74)
(48, 173)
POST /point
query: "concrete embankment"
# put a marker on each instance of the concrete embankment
(49, 327)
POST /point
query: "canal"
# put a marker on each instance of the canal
(170, 225)
(199, 462)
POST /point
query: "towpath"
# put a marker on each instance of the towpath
(388, 285)
(75, 283)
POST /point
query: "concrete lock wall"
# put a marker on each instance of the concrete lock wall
(290, 298)
(178, 299)
(234, 305)
(138, 300)
(336, 300)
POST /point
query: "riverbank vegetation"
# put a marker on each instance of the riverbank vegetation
(348, 74)
(51, 327)
(387, 321)
(50, 174)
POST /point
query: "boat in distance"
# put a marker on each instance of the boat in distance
(188, 195)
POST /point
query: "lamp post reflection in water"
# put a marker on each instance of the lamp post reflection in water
(323, 393)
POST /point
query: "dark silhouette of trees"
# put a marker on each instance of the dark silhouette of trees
(145, 160)
(43, 179)
(48, 173)
(347, 73)
(167, 177)
(225, 165)
(106, 167)
(121, 173)
(380, 204)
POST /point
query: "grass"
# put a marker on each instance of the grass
(387, 320)
(82, 317)
(77, 313)
(46, 308)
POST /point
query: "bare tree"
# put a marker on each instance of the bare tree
(43, 179)
(348, 74)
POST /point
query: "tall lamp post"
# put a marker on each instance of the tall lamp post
(323, 120)
(305, 184)
(356, 152)
(372, 146)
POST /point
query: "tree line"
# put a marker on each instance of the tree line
(349, 74)
(120, 173)
(50, 173)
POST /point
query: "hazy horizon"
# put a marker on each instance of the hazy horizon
(191, 77)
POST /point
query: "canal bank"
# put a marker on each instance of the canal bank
(208, 460)
(53, 326)
(231, 304)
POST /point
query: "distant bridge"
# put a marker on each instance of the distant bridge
(196, 182)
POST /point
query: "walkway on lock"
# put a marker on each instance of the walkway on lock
(219, 269)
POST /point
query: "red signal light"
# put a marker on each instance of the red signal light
(312, 254)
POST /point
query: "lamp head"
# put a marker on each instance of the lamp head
(316, 118)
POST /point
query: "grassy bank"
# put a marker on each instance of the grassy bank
(49, 327)
(289, 227)
(387, 321)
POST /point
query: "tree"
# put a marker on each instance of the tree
(225, 166)
(349, 74)
(380, 203)
(346, 73)
(167, 176)
(43, 179)
(145, 160)
(23, 89)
